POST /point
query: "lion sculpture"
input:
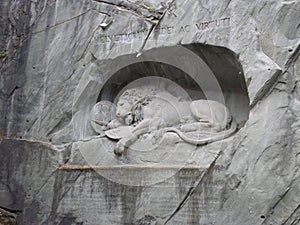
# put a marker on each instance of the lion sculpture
(147, 109)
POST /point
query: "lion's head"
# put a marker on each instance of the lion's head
(130, 103)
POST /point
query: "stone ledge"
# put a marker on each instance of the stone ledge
(133, 166)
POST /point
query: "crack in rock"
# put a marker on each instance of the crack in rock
(270, 85)
(188, 195)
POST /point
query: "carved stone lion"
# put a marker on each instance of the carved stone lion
(147, 109)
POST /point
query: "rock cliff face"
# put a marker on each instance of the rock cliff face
(59, 57)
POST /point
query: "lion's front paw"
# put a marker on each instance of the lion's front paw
(119, 148)
(114, 124)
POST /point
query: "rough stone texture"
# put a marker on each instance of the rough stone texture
(55, 58)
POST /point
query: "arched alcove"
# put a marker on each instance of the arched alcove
(142, 69)
(203, 71)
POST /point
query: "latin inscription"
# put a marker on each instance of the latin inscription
(166, 30)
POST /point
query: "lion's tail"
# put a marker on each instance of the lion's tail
(204, 141)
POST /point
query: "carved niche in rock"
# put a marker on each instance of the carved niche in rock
(152, 111)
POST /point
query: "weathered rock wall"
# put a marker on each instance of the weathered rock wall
(51, 54)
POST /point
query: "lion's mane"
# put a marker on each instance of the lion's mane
(138, 97)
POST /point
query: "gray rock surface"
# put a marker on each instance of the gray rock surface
(58, 58)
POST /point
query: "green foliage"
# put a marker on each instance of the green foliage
(2, 54)
(152, 10)
(149, 8)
